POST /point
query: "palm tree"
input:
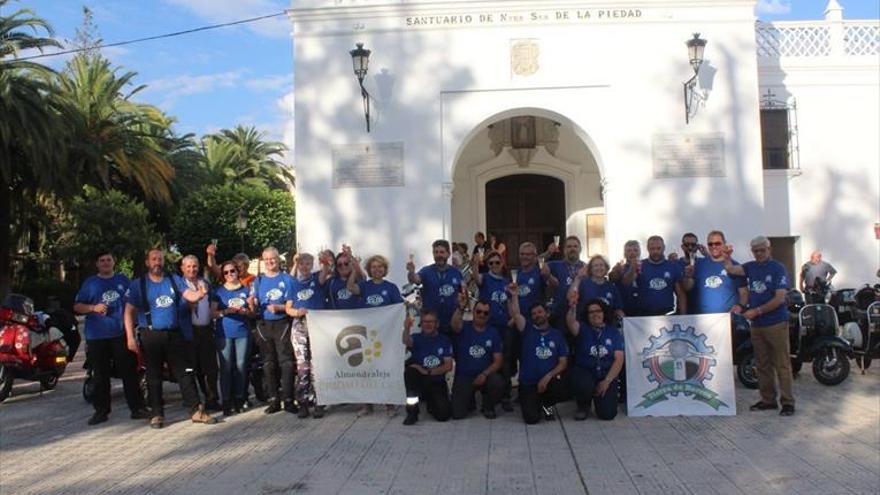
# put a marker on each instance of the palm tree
(116, 143)
(31, 132)
(244, 155)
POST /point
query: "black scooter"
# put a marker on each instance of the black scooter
(862, 328)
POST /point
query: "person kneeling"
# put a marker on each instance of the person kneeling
(598, 361)
(478, 361)
(425, 376)
(543, 359)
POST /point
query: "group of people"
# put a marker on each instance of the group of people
(553, 324)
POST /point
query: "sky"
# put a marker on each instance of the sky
(244, 74)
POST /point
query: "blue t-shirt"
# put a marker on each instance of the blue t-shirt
(160, 297)
(764, 279)
(565, 274)
(308, 293)
(629, 296)
(714, 290)
(381, 294)
(540, 353)
(109, 291)
(440, 291)
(606, 291)
(268, 290)
(339, 297)
(657, 285)
(429, 352)
(231, 326)
(494, 291)
(595, 348)
(531, 289)
(474, 351)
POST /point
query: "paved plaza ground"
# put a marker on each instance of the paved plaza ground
(832, 446)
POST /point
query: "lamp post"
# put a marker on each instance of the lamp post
(241, 223)
(696, 46)
(360, 59)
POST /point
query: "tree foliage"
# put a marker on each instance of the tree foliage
(212, 212)
(244, 155)
(106, 220)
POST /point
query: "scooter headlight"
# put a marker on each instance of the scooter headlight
(852, 333)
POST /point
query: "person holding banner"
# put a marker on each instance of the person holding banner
(307, 293)
(339, 296)
(662, 283)
(543, 360)
(425, 373)
(598, 360)
(715, 289)
(440, 284)
(768, 285)
(478, 360)
(269, 296)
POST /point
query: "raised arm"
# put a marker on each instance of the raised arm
(407, 331)
(574, 326)
(411, 274)
(475, 269)
(353, 278)
(631, 271)
(729, 267)
(513, 309)
(457, 322)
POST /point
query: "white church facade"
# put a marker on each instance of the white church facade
(530, 119)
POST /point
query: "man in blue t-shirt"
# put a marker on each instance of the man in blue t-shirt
(560, 275)
(478, 360)
(425, 372)
(768, 285)
(269, 296)
(629, 293)
(101, 299)
(157, 305)
(543, 359)
(662, 283)
(440, 282)
(715, 290)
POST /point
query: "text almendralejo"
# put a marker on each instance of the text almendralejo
(363, 374)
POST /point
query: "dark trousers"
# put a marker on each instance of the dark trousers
(105, 354)
(435, 392)
(204, 358)
(531, 401)
(273, 337)
(583, 383)
(160, 347)
(511, 348)
(463, 389)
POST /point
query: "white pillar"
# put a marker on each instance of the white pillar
(836, 35)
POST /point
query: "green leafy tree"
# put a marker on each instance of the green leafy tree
(243, 155)
(106, 220)
(31, 132)
(212, 213)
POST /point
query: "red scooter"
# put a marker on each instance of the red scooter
(28, 349)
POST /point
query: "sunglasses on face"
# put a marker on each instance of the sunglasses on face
(494, 262)
(595, 311)
(759, 250)
(230, 272)
(480, 312)
(689, 245)
(342, 264)
(715, 243)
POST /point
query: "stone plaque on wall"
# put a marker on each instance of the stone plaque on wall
(688, 155)
(368, 165)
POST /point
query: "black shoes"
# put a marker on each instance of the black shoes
(787, 410)
(303, 412)
(273, 408)
(762, 406)
(506, 405)
(290, 407)
(489, 413)
(318, 412)
(228, 410)
(411, 418)
(98, 418)
(212, 406)
(549, 412)
(581, 413)
(141, 414)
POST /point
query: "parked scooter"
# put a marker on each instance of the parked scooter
(862, 330)
(30, 348)
(88, 390)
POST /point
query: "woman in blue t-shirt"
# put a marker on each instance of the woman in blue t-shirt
(229, 307)
(338, 294)
(598, 360)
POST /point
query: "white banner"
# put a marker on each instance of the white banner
(679, 365)
(358, 355)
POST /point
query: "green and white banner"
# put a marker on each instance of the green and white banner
(358, 355)
(679, 366)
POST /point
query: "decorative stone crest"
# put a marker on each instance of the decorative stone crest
(524, 56)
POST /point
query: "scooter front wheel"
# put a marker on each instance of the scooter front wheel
(747, 372)
(49, 383)
(830, 366)
(5, 382)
